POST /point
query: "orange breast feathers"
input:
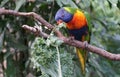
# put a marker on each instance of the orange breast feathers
(78, 21)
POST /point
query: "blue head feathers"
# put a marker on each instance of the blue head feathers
(63, 15)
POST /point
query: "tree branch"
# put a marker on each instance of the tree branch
(66, 40)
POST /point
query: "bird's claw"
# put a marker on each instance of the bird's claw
(85, 45)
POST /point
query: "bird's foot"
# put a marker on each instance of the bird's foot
(71, 38)
(85, 45)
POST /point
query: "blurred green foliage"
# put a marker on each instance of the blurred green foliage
(26, 54)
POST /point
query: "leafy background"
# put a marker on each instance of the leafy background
(22, 54)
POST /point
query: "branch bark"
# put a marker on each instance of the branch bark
(66, 40)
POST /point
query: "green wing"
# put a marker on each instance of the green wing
(87, 15)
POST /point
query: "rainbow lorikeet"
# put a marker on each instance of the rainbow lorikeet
(76, 23)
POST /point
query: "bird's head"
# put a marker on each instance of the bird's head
(63, 16)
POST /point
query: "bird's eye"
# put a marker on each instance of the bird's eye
(62, 15)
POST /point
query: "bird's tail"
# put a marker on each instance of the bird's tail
(82, 55)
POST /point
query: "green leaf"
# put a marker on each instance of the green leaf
(3, 3)
(63, 3)
(52, 40)
(2, 39)
(19, 3)
(118, 4)
(114, 2)
(51, 59)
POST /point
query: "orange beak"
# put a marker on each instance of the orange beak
(59, 22)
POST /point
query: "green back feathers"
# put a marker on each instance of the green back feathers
(70, 9)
